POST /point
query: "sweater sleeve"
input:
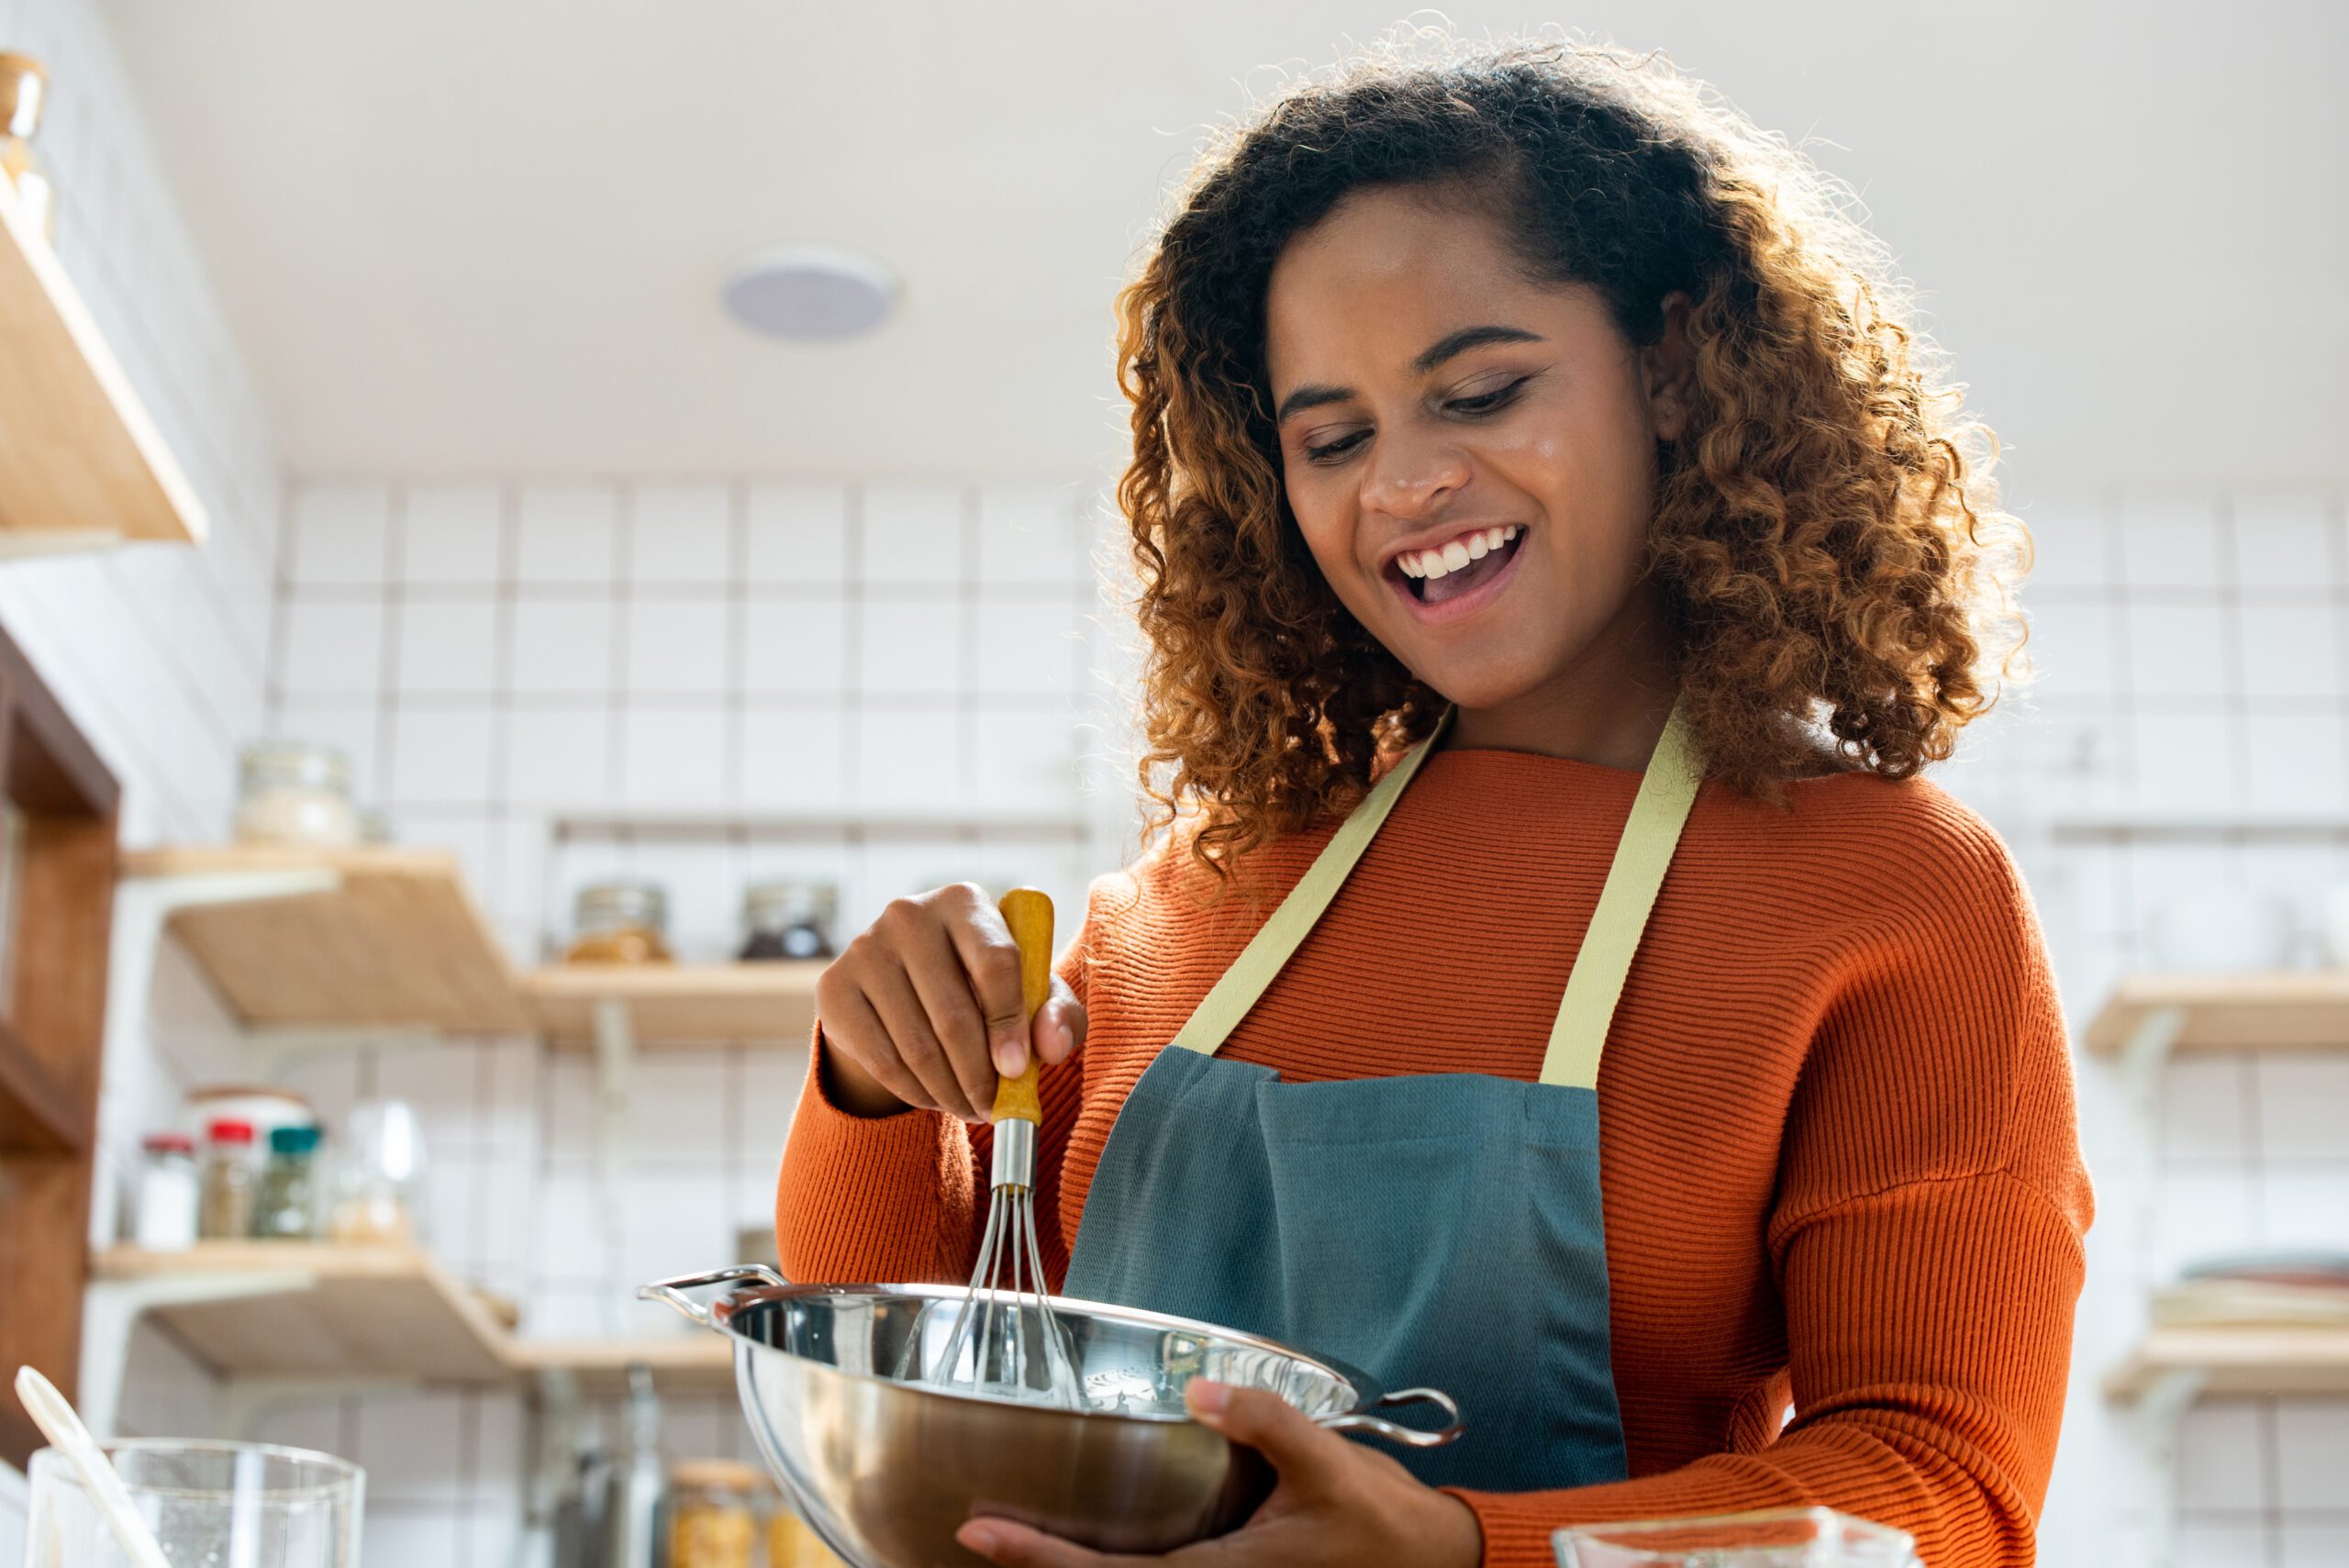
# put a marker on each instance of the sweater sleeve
(903, 1196)
(1927, 1243)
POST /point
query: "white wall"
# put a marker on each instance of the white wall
(160, 652)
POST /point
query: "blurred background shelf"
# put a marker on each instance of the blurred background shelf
(324, 1310)
(680, 1364)
(2292, 1009)
(396, 940)
(82, 465)
(2237, 1360)
(673, 1003)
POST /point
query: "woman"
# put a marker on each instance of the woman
(1532, 477)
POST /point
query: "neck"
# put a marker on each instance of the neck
(1608, 707)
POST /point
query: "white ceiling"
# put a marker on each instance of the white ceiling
(487, 235)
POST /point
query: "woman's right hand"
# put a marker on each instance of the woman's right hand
(923, 1009)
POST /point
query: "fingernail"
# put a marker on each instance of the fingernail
(1207, 1397)
(1066, 1036)
(978, 1538)
(1011, 1057)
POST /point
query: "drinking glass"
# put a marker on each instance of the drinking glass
(1783, 1537)
(210, 1505)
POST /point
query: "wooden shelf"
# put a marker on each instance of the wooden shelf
(397, 942)
(695, 1361)
(352, 1311)
(80, 461)
(674, 1004)
(2287, 1009)
(2238, 1359)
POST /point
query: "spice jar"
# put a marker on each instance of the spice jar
(290, 792)
(23, 84)
(382, 1165)
(228, 1208)
(789, 919)
(286, 1207)
(170, 1195)
(713, 1504)
(623, 921)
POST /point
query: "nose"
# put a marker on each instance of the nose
(1407, 479)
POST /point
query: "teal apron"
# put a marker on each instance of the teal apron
(1438, 1229)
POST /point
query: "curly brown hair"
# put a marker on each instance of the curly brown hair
(1825, 534)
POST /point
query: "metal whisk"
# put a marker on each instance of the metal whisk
(1005, 1340)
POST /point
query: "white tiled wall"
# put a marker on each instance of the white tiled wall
(495, 655)
(159, 651)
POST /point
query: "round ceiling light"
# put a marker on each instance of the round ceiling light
(811, 293)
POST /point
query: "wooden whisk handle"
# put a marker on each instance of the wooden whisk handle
(1029, 912)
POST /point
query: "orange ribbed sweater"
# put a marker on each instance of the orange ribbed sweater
(1840, 1158)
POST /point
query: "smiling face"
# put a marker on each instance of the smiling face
(1470, 456)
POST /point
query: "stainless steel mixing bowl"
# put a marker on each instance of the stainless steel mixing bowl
(885, 1467)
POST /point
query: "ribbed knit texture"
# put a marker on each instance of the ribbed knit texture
(1840, 1163)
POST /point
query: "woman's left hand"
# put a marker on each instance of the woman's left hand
(1336, 1502)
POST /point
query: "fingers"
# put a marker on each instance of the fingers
(990, 960)
(1284, 1434)
(1059, 1031)
(1017, 1546)
(900, 1006)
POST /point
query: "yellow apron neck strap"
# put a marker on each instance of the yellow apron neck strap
(1220, 1010)
(1667, 789)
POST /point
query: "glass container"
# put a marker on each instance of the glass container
(622, 921)
(714, 1508)
(790, 918)
(24, 86)
(170, 1195)
(286, 1206)
(291, 792)
(1780, 1538)
(376, 1183)
(250, 1505)
(227, 1208)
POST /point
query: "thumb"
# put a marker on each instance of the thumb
(1263, 1420)
(1059, 1029)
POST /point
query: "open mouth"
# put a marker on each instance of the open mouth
(1458, 567)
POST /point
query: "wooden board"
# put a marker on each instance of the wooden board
(2283, 1361)
(694, 1361)
(369, 1311)
(2290, 1009)
(679, 1004)
(78, 453)
(399, 942)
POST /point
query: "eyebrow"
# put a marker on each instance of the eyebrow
(1459, 342)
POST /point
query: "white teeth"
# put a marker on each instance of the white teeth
(1510, 532)
(1496, 538)
(1479, 546)
(1455, 555)
(1446, 559)
(1433, 564)
(1411, 565)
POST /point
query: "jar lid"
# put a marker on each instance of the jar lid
(786, 897)
(204, 1091)
(168, 1144)
(717, 1474)
(293, 1139)
(623, 898)
(306, 763)
(225, 1131)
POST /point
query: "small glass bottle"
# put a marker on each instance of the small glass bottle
(23, 82)
(290, 792)
(170, 1195)
(228, 1213)
(788, 919)
(285, 1209)
(714, 1508)
(624, 921)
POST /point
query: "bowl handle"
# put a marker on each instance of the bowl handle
(1410, 1437)
(673, 1291)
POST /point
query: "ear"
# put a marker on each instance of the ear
(1668, 369)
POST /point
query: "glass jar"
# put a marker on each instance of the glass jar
(714, 1506)
(228, 1206)
(376, 1185)
(285, 1208)
(23, 84)
(170, 1195)
(622, 921)
(290, 792)
(790, 918)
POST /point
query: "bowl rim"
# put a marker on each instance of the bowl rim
(1366, 1389)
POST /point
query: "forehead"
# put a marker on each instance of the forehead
(1388, 272)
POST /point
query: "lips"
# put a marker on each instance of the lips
(1453, 577)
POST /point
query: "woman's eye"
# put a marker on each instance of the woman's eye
(1329, 449)
(1485, 403)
